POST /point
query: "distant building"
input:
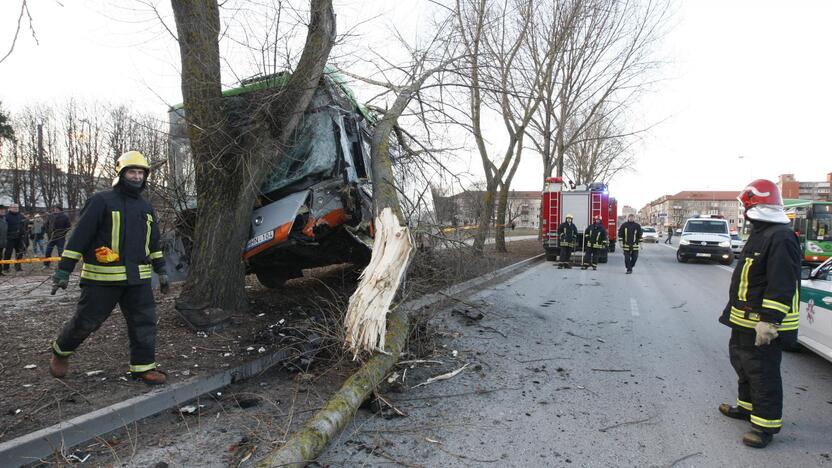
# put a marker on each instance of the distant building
(466, 208)
(815, 191)
(673, 210)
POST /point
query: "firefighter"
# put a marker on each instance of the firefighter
(567, 239)
(117, 235)
(595, 240)
(630, 235)
(763, 312)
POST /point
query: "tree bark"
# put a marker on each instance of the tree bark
(230, 165)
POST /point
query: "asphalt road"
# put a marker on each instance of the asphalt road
(597, 368)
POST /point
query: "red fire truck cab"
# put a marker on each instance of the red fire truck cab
(584, 203)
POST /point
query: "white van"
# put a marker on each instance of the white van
(705, 238)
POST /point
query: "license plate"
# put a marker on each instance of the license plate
(255, 241)
(703, 255)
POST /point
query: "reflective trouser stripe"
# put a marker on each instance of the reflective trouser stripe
(116, 232)
(745, 405)
(57, 350)
(767, 423)
(156, 254)
(142, 367)
(71, 254)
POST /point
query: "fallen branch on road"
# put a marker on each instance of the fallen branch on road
(437, 378)
(612, 370)
(627, 423)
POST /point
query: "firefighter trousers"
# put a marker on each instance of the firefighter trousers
(630, 257)
(759, 387)
(97, 303)
(591, 256)
(565, 255)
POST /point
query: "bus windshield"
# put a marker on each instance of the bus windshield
(820, 223)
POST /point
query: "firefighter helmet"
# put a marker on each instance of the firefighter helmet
(760, 192)
(569, 216)
(130, 159)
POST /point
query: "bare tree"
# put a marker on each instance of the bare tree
(600, 154)
(231, 162)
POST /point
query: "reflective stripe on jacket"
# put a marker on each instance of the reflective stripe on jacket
(124, 223)
(629, 234)
(595, 236)
(765, 285)
(567, 234)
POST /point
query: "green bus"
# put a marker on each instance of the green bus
(811, 221)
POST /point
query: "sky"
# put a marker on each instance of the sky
(744, 92)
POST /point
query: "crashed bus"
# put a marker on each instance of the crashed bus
(315, 207)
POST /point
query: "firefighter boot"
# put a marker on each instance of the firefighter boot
(584, 267)
(756, 439)
(734, 412)
(594, 267)
(59, 366)
(151, 377)
(560, 266)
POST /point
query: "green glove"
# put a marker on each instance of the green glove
(60, 279)
(164, 284)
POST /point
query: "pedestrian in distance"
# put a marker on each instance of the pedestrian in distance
(37, 235)
(595, 241)
(567, 240)
(669, 235)
(117, 235)
(58, 227)
(762, 312)
(630, 235)
(4, 229)
(15, 237)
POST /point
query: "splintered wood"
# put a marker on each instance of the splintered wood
(366, 320)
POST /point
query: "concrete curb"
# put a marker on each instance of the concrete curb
(42, 443)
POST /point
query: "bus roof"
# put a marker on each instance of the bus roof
(278, 80)
(797, 203)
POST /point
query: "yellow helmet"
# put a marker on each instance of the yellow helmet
(130, 159)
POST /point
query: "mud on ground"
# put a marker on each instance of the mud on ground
(272, 403)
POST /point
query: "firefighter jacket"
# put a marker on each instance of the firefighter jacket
(124, 223)
(567, 234)
(765, 285)
(595, 236)
(630, 235)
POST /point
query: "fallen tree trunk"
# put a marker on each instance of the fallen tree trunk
(309, 442)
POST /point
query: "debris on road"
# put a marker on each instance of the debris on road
(93, 373)
(612, 370)
(437, 378)
(30, 366)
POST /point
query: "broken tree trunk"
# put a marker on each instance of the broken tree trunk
(310, 441)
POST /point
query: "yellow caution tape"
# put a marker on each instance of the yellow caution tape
(30, 260)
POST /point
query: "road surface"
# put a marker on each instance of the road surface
(596, 368)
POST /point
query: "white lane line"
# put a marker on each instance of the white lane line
(728, 269)
(634, 307)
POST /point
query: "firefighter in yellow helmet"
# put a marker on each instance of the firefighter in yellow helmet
(117, 235)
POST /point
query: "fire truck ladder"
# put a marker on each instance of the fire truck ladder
(596, 207)
(554, 218)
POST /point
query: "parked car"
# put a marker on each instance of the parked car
(649, 234)
(737, 244)
(705, 238)
(815, 332)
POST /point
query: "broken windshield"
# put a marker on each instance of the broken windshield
(313, 150)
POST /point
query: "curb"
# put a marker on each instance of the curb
(44, 442)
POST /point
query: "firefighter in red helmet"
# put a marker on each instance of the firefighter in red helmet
(763, 312)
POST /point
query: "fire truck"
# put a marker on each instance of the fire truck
(584, 203)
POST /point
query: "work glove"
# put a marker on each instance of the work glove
(766, 333)
(60, 279)
(164, 284)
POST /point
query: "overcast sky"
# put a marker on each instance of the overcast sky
(746, 91)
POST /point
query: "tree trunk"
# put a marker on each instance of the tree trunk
(229, 167)
(487, 215)
(502, 202)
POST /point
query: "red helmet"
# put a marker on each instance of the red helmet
(760, 192)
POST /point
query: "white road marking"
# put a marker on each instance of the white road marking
(634, 307)
(728, 269)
